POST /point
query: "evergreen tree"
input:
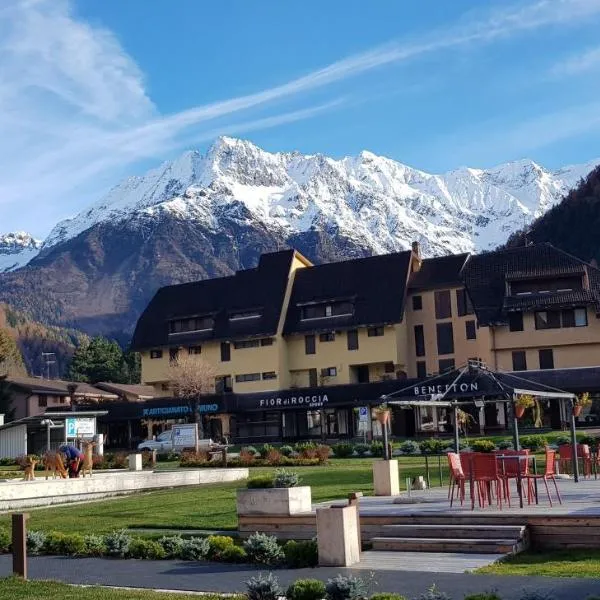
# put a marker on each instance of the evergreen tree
(99, 360)
(6, 405)
(133, 363)
(11, 360)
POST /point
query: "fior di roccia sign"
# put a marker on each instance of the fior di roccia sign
(314, 401)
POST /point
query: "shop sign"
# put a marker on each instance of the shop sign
(314, 401)
(165, 411)
(80, 427)
(208, 408)
(440, 388)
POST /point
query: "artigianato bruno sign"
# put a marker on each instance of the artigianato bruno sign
(314, 401)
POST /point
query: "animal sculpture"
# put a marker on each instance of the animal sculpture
(88, 458)
(29, 469)
(54, 463)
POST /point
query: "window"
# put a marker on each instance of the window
(327, 337)
(223, 384)
(470, 330)
(269, 375)
(421, 369)
(246, 344)
(266, 342)
(515, 321)
(244, 315)
(329, 372)
(375, 331)
(173, 354)
(463, 303)
(419, 340)
(445, 338)
(352, 335)
(417, 302)
(62, 400)
(312, 378)
(443, 307)
(547, 319)
(194, 349)
(519, 360)
(388, 367)
(546, 359)
(446, 364)
(325, 310)
(581, 317)
(225, 351)
(574, 317)
(42, 400)
(247, 377)
(309, 344)
(155, 353)
(191, 324)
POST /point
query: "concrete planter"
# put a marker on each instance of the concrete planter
(274, 501)
(386, 480)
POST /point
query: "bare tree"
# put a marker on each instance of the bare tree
(191, 378)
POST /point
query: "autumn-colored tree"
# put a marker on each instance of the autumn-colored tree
(11, 362)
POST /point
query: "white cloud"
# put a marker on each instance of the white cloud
(589, 60)
(74, 111)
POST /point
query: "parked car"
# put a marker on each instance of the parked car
(163, 444)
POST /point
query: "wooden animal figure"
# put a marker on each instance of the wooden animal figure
(88, 458)
(30, 469)
(55, 464)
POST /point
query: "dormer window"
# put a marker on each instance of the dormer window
(545, 285)
(327, 310)
(190, 324)
(245, 315)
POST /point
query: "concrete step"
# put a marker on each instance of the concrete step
(456, 531)
(465, 545)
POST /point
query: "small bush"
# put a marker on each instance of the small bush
(118, 461)
(505, 445)
(233, 554)
(483, 596)
(322, 453)
(195, 548)
(534, 442)
(345, 587)
(343, 450)
(307, 449)
(590, 440)
(218, 544)
(94, 545)
(432, 446)
(63, 544)
(409, 447)
(259, 482)
(263, 587)
(35, 542)
(377, 448)
(274, 457)
(302, 554)
(433, 594)
(247, 458)
(146, 549)
(172, 545)
(285, 479)
(387, 596)
(362, 449)
(264, 451)
(4, 541)
(536, 595)
(117, 543)
(306, 589)
(483, 446)
(264, 549)
(250, 450)
(287, 451)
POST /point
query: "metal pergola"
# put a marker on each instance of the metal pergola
(501, 391)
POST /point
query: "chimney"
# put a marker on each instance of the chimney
(416, 257)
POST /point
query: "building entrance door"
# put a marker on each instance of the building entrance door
(362, 374)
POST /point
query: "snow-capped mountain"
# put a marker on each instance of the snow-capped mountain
(380, 204)
(17, 249)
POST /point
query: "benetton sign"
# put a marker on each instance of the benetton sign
(440, 388)
(314, 401)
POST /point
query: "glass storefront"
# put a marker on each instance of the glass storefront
(323, 423)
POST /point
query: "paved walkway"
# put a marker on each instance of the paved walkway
(190, 576)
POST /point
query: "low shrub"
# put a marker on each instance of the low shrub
(536, 595)
(432, 446)
(146, 549)
(65, 544)
(377, 448)
(346, 587)
(233, 554)
(195, 548)
(361, 449)
(264, 549)
(217, 545)
(8, 462)
(306, 589)
(306, 449)
(274, 457)
(343, 450)
(4, 541)
(505, 445)
(191, 459)
(534, 442)
(590, 440)
(433, 594)
(301, 554)
(483, 596)
(119, 460)
(387, 596)
(263, 587)
(35, 542)
(264, 451)
(285, 479)
(94, 545)
(409, 447)
(250, 450)
(287, 451)
(247, 458)
(323, 453)
(483, 446)
(117, 543)
(172, 545)
(260, 481)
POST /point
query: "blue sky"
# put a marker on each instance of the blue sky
(94, 91)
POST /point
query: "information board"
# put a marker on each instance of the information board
(185, 436)
(80, 427)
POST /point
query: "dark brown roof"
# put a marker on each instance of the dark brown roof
(141, 391)
(435, 273)
(554, 299)
(376, 286)
(56, 387)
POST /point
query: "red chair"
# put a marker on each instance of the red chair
(565, 452)
(549, 473)
(510, 468)
(486, 477)
(457, 478)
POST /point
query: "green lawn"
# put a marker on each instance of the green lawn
(210, 506)
(557, 563)
(16, 589)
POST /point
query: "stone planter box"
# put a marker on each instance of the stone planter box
(274, 501)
